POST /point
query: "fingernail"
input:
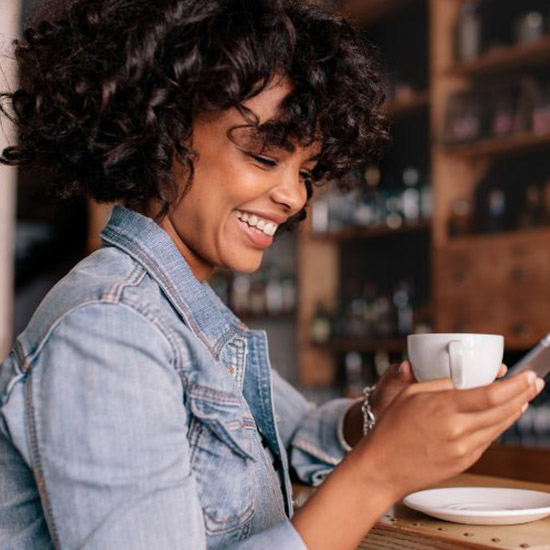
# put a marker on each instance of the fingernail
(539, 384)
(524, 408)
(531, 377)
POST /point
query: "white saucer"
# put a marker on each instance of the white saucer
(481, 505)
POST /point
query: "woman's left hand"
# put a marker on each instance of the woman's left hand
(394, 380)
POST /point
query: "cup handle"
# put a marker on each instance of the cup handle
(456, 362)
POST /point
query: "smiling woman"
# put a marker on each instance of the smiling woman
(243, 187)
(136, 410)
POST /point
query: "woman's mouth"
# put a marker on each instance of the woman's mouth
(259, 231)
(264, 226)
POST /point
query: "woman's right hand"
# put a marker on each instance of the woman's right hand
(433, 431)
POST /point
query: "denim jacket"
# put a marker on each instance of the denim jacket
(137, 412)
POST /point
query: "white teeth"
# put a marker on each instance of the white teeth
(269, 228)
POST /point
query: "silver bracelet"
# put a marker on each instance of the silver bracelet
(369, 420)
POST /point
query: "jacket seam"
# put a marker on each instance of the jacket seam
(31, 423)
(158, 273)
(37, 465)
(107, 297)
(311, 449)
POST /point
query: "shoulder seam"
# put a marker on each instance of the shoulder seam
(114, 292)
(30, 358)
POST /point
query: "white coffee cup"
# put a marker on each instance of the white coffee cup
(469, 360)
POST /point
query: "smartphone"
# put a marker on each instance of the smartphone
(537, 359)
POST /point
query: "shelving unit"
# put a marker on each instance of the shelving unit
(462, 296)
(365, 233)
(490, 239)
(342, 345)
(518, 144)
(323, 255)
(398, 108)
(505, 59)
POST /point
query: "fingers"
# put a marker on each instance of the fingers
(405, 372)
(441, 384)
(496, 394)
(502, 372)
(483, 438)
(494, 416)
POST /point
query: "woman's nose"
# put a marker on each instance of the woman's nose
(290, 192)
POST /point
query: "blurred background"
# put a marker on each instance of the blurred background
(450, 232)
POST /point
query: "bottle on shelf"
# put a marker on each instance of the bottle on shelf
(321, 325)
(240, 294)
(541, 110)
(354, 381)
(403, 198)
(468, 32)
(529, 27)
(532, 214)
(461, 217)
(411, 195)
(496, 210)
(274, 299)
(269, 292)
(381, 361)
(402, 301)
(502, 122)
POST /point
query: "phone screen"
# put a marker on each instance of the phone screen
(537, 360)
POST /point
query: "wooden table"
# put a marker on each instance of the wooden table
(404, 529)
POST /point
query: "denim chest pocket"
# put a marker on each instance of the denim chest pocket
(222, 459)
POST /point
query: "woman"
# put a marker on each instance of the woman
(137, 410)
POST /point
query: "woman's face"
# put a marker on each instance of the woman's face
(239, 195)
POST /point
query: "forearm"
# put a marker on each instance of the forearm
(346, 506)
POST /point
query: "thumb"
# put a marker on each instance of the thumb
(405, 372)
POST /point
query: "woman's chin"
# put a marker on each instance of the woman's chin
(245, 263)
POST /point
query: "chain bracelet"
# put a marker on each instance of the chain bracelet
(369, 420)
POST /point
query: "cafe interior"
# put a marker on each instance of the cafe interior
(449, 232)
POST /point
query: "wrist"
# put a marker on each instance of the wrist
(374, 474)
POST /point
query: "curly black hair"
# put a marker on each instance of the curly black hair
(110, 89)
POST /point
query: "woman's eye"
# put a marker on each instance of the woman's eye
(265, 161)
(306, 175)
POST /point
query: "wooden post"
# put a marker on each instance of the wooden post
(9, 29)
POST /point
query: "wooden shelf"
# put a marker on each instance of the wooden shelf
(371, 232)
(399, 108)
(365, 345)
(496, 147)
(373, 11)
(506, 59)
(480, 238)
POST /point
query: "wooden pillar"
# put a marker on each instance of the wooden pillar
(9, 29)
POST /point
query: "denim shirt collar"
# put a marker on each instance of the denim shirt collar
(144, 240)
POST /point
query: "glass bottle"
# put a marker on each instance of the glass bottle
(468, 32)
(496, 208)
(531, 216)
(353, 364)
(320, 329)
